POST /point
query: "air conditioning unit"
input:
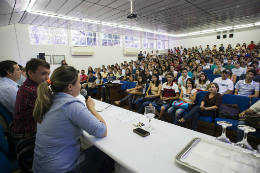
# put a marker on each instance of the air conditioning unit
(130, 51)
(162, 52)
(82, 50)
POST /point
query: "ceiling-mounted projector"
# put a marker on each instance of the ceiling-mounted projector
(132, 15)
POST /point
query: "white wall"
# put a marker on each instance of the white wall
(102, 55)
(239, 37)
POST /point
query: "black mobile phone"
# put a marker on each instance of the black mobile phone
(141, 132)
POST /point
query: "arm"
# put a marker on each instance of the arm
(234, 78)
(179, 85)
(147, 92)
(159, 91)
(227, 92)
(131, 78)
(248, 111)
(236, 91)
(193, 97)
(173, 98)
(255, 95)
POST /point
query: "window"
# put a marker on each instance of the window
(46, 35)
(149, 43)
(162, 44)
(132, 42)
(84, 38)
(111, 40)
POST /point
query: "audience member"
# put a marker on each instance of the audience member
(23, 76)
(197, 72)
(219, 69)
(226, 86)
(182, 79)
(243, 76)
(128, 76)
(202, 83)
(229, 65)
(238, 70)
(83, 77)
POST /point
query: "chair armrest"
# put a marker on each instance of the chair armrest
(21, 160)
(25, 142)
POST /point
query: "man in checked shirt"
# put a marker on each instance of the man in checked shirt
(37, 71)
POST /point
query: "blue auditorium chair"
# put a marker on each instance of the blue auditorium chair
(241, 101)
(4, 164)
(105, 80)
(123, 87)
(211, 77)
(208, 71)
(179, 74)
(7, 116)
(130, 85)
(164, 79)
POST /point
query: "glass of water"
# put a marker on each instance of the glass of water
(149, 113)
(244, 144)
(223, 137)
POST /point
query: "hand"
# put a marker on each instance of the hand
(201, 106)
(183, 77)
(90, 103)
(146, 96)
(127, 90)
(242, 114)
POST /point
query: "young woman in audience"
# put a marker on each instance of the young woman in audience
(63, 62)
(209, 104)
(61, 119)
(131, 69)
(219, 69)
(164, 71)
(128, 76)
(167, 66)
(202, 83)
(232, 77)
(229, 48)
(156, 72)
(90, 69)
(243, 65)
(152, 92)
(140, 87)
(210, 62)
(137, 75)
(237, 46)
(194, 68)
(188, 95)
(214, 48)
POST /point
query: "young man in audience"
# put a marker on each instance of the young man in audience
(243, 76)
(256, 64)
(115, 71)
(226, 86)
(238, 70)
(83, 77)
(9, 74)
(229, 64)
(91, 77)
(219, 69)
(248, 87)
(140, 56)
(214, 65)
(182, 79)
(103, 66)
(251, 46)
(169, 93)
(104, 74)
(221, 48)
(37, 71)
(205, 66)
(147, 76)
(120, 75)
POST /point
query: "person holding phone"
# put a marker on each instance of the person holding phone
(61, 119)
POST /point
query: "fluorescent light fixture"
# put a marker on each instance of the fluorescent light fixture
(32, 2)
(243, 26)
(194, 33)
(258, 23)
(208, 31)
(182, 35)
(224, 29)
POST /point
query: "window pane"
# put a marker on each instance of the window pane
(89, 41)
(109, 36)
(104, 42)
(109, 43)
(82, 41)
(74, 33)
(89, 34)
(44, 39)
(63, 40)
(52, 31)
(52, 39)
(95, 42)
(94, 34)
(114, 36)
(116, 42)
(74, 41)
(104, 36)
(57, 40)
(44, 30)
(82, 33)
(127, 38)
(34, 30)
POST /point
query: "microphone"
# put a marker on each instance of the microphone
(84, 93)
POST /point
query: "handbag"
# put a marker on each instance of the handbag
(229, 111)
(252, 119)
(161, 102)
(91, 85)
(180, 104)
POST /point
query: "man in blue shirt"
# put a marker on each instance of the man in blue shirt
(140, 56)
(9, 73)
(221, 48)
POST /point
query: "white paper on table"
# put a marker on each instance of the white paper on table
(124, 115)
(218, 157)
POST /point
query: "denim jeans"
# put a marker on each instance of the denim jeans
(166, 106)
(141, 105)
(194, 113)
(129, 99)
(175, 113)
(95, 161)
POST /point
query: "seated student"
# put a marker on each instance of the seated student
(193, 68)
(256, 64)
(152, 92)
(164, 71)
(226, 86)
(137, 75)
(205, 66)
(104, 74)
(175, 73)
(91, 79)
(169, 93)
(188, 95)
(155, 71)
(202, 83)
(140, 87)
(254, 109)
(128, 76)
(210, 102)
(115, 72)
(229, 64)
(219, 69)
(83, 77)
(90, 69)
(238, 70)
(232, 77)
(248, 87)
(243, 76)
(190, 74)
(63, 108)
(120, 75)
(9, 74)
(23, 76)
(197, 72)
(137, 68)
(182, 79)
(147, 76)
(214, 65)
(37, 71)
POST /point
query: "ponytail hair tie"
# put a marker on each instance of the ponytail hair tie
(49, 81)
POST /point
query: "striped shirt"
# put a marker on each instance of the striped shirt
(24, 105)
(245, 89)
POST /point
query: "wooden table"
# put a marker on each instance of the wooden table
(114, 90)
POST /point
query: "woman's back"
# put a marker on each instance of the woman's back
(57, 146)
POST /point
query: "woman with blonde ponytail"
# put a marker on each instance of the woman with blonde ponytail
(61, 119)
